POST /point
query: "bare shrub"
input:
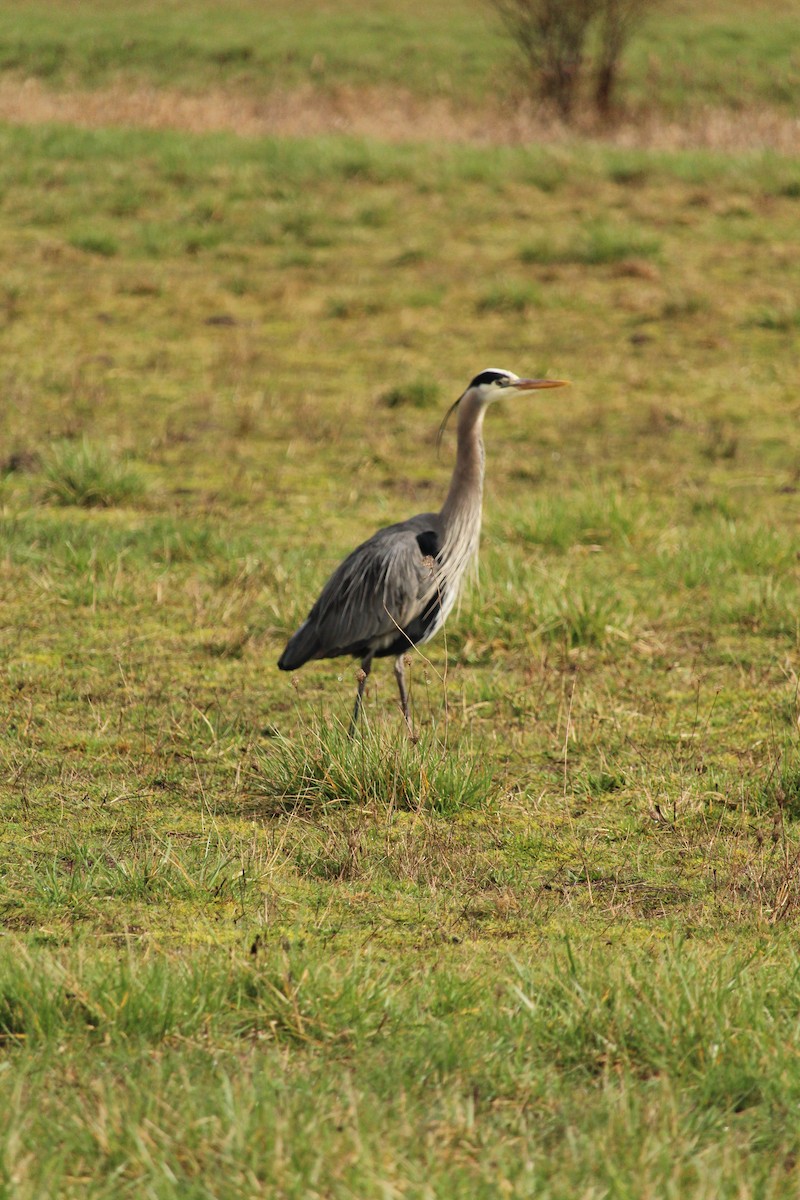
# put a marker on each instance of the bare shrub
(553, 37)
(618, 20)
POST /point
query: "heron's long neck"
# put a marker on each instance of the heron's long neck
(461, 511)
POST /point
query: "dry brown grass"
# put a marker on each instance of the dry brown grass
(388, 115)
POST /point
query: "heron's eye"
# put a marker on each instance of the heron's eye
(503, 381)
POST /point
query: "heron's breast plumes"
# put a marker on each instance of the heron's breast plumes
(456, 563)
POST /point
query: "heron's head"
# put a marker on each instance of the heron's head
(495, 383)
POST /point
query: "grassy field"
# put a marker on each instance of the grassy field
(550, 950)
(718, 52)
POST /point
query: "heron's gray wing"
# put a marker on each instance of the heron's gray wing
(382, 586)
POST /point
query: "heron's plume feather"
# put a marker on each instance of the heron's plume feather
(446, 418)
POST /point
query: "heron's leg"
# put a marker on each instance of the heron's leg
(400, 676)
(363, 674)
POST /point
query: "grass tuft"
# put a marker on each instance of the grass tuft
(582, 616)
(597, 244)
(375, 768)
(102, 244)
(86, 475)
(779, 320)
(420, 393)
(509, 298)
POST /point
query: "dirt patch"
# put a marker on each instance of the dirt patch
(386, 115)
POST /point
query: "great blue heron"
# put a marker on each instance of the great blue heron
(396, 589)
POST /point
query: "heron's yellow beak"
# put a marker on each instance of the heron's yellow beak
(527, 385)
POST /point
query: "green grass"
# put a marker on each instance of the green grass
(200, 44)
(272, 1072)
(547, 949)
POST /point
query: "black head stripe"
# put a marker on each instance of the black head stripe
(488, 377)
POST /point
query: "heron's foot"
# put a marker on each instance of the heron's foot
(362, 674)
